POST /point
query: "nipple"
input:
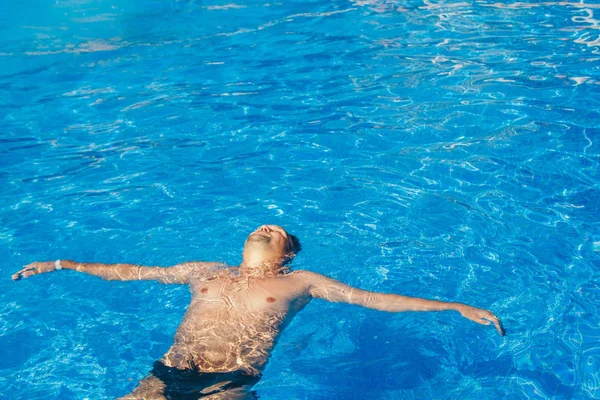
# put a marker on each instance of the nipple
(271, 299)
(203, 290)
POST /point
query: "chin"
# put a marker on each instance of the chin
(257, 238)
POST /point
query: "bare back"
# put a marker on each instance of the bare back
(232, 322)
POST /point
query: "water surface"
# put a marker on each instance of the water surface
(438, 149)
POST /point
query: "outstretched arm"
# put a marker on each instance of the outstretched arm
(180, 274)
(323, 287)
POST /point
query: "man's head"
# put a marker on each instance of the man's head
(270, 243)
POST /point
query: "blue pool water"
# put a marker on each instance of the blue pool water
(438, 149)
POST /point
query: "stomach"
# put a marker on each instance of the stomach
(223, 341)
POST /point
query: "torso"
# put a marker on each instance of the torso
(232, 322)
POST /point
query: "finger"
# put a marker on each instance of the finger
(27, 268)
(24, 273)
(499, 327)
(491, 316)
(29, 273)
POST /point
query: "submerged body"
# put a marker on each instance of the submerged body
(231, 325)
(233, 321)
(236, 314)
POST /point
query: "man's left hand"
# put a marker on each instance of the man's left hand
(480, 316)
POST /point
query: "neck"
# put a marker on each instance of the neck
(263, 268)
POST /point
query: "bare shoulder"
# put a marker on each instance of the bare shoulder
(301, 274)
(306, 277)
(201, 264)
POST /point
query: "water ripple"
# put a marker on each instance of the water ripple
(431, 148)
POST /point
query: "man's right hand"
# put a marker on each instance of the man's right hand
(34, 269)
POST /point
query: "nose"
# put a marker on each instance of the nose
(265, 228)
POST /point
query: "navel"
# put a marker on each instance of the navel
(204, 290)
(271, 299)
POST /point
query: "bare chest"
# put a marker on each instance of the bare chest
(247, 295)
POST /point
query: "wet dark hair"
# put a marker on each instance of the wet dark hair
(295, 244)
(292, 250)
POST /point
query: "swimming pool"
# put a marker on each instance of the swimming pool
(437, 149)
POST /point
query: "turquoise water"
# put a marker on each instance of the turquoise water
(443, 150)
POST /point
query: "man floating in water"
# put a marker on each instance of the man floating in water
(236, 314)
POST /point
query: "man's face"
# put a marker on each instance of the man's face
(271, 238)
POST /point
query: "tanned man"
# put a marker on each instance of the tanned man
(236, 314)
